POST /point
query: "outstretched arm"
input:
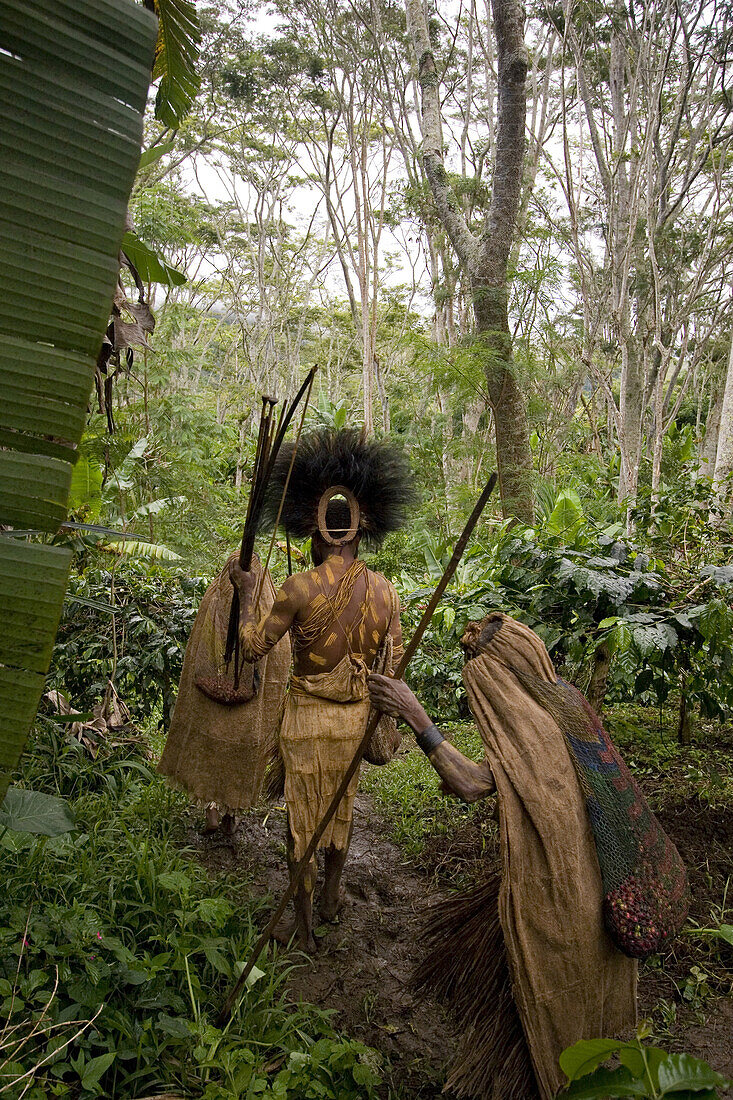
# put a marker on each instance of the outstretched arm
(257, 639)
(461, 776)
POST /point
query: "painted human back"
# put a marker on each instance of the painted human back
(344, 608)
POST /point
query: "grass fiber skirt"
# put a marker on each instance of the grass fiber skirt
(465, 968)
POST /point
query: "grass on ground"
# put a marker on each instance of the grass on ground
(116, 948)
(116, 951)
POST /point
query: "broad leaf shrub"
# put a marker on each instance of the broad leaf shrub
(644, 1071)
(134, 620)
(35, 812)
(666, 621)
(112, 923)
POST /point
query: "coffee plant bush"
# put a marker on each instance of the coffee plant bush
(660, 624)
(645, 1071)
(129, 623)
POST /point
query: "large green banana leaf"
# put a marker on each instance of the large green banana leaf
(74, 78)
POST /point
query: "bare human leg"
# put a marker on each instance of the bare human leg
(332, 898)
(302, 926)
(215, 820)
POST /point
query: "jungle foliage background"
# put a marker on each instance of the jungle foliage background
(292, 200)
(283, 216)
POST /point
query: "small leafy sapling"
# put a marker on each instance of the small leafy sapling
(644, 1071)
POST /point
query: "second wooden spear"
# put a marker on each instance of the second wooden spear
(268, 445)
(371, 726)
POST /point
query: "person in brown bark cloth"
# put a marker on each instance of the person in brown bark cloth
(338, 489)
(542, 953)
(221, 738)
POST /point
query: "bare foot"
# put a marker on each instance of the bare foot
(287, 931)
(213, 819)
(228, 824)
(329, 908)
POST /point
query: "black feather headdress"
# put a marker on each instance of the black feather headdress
(376, 472)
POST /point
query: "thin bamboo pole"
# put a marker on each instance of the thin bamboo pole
(269, 441)
(245, 554)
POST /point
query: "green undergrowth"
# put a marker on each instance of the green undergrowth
(116, 948)
(116, 951)
(667, 770)
(407, 792)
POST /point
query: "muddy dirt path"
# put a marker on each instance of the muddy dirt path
(363, 966)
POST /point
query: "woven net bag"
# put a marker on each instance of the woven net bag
(646, 892)
(212, 676)
(386, 739)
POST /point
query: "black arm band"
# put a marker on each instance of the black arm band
(429, 739)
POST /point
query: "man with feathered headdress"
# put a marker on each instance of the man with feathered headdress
(344, 622)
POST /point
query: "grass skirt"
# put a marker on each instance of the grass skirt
(465, 968)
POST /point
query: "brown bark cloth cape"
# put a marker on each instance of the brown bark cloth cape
(529, 947)
(219, 753)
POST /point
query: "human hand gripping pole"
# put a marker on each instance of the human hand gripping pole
(371, 726)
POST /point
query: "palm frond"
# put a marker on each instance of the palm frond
(176, 53)
(74, 78)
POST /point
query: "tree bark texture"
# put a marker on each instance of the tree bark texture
(724, 456)
(709, 448)
(599, 677)
(484, 257)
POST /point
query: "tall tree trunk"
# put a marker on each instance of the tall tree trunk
(513, 452)
(631, 398)
(658, 432)
(709, 449)
(240, 455)
(484, 258)
(383, 395)
(471, 418)
(599, 676)
(724, 456)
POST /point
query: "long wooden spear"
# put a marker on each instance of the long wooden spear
(269, 442)
(371, 726)
(264, 439)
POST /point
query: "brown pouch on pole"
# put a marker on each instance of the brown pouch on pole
(211, 674)
(218, 753)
